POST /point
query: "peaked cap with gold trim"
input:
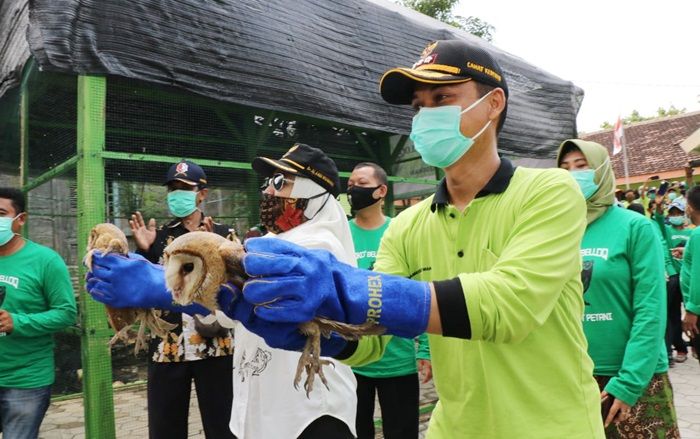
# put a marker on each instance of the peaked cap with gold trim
(442, 62)
(306, 161)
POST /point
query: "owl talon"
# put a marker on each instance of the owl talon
(310, 362)
(121, 335)
(141, 342)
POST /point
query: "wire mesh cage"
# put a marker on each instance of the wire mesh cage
(95, 149)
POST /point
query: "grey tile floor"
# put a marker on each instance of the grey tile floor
(64, 419)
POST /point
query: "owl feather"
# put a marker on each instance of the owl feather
(197, 264)
(108, 238)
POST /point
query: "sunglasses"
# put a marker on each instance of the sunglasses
(277, 181)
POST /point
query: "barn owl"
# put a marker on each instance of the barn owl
(108, 238)
(197, 264)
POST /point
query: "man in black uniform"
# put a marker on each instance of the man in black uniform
(192, 350)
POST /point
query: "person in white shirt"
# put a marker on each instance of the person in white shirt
(298, 205)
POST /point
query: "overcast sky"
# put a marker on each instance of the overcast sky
(626, 55)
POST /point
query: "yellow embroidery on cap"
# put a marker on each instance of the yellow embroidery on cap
(440, 67)
(279, 166)
(477, 67)
(292, 162)
(493, 74)
(484, 70)
(319, 175)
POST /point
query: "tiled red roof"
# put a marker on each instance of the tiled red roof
(652, 146)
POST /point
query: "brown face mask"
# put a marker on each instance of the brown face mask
(281, 214)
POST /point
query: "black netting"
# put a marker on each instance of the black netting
(147, 129)
(166, 124)
(52, 217)
(52, 101)
(9, 132)
(52, 222)
(138, 186)
(163, 121)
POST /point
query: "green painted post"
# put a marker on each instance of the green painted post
(24, 136)
(95, 353)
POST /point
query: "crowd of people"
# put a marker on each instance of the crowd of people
(543, 302)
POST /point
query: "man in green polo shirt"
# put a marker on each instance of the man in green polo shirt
(492, 261)
(394, 378)
(38, 301)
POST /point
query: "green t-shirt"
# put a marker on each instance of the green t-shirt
(525, 372)
(400, 356)
(39, 297)
(625, 316)
(366, 243)
(673, 238)
(678, 238)
(671, 266)
(690, 273)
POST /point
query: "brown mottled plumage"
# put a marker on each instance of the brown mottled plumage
(198, 263)
(108, 238)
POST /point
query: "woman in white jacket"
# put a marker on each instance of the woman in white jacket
(298, 205)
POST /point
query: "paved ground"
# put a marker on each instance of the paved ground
(65, 419)
(685, 378)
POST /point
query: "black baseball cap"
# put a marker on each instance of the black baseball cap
(442, 62)
(306, 161)
(187, 172)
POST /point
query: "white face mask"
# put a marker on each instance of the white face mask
(6, 232)
(436, 134)
(586, 179)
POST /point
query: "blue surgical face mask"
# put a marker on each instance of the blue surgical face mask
(6, 232)
(586, 180)
(182, 203)
(678, 220)
(672, 196)
(436, 135)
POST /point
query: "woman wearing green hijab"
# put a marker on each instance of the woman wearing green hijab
(624, 291)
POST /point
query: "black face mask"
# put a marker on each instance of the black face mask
(361, 197)
(281, 214)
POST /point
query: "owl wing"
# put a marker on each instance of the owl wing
(232, 256)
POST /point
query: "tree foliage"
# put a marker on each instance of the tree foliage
(635, 117)
(438, 9)
(443, 10)
(475, 26)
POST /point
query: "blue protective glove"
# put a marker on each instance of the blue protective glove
(293, 284)
(132, 282)
(280, 335)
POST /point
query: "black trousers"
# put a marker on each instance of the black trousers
(327, 427)
(398, 399)
(169, 386)
(695, 342)
(674, 327)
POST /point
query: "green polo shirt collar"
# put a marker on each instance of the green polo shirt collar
(498, 184)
